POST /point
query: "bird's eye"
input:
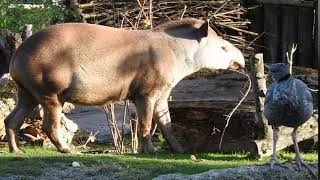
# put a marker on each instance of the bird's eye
(224, 48)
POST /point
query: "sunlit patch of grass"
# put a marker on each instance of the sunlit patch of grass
(35, 159)
(289, 156)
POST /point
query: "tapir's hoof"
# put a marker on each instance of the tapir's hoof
(65, 150)
(74, 150)
(16, 151)
(179, 150)
(148, 149)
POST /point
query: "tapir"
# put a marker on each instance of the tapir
(97, 65)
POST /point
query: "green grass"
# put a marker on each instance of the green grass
(35, 159)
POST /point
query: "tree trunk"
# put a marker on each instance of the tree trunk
(260, 89)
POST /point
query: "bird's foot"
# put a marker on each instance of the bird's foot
(273, 162)
(300, 162)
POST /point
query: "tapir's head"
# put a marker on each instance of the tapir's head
(215, 52)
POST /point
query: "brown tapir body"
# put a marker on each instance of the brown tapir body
(96, 65)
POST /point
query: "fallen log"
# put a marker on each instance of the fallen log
(198, 105)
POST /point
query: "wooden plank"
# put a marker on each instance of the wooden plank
(289, 23)
(305, 50)
(246, 106)
(301, 3)
(271, 27)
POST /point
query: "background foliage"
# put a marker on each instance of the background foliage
(13, 15)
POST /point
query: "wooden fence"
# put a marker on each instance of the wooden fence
(284, 22)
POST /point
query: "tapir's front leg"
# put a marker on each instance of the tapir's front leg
(162, 117)
(145, 107)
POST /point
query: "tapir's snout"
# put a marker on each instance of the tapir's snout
(237, 61)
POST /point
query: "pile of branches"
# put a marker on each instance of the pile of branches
(227, 16)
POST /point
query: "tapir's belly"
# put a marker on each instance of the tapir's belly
(96, 90)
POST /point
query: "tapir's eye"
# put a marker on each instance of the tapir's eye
(224, 48)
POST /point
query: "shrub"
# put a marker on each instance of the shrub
(14, 16)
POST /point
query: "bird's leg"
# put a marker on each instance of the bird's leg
(298, 158)
(275, 133)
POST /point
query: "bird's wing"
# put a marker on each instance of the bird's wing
(269, 94)
(303, 92)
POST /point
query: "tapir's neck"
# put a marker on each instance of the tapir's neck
(184, 50)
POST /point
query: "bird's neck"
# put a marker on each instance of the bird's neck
(285, 77)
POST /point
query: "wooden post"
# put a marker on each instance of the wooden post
(288, 33)
(305, 25)
(271, 25)
(260, 89)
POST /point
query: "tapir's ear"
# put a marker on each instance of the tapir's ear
(204, 29)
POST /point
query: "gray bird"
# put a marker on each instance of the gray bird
(288, 103)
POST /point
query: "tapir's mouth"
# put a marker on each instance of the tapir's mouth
(235, 65)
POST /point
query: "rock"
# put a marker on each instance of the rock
(69, 128)
(76, 164)
(67, 107)
(287, 170)
(117, 167)
(32, 128)
(7, 100)
(2, 130)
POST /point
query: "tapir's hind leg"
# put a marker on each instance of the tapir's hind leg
(52, 109)
(25, 105)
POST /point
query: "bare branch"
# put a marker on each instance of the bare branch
(228, 117)
(290, 57)
(184, 11)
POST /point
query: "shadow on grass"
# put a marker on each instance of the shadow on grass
(199, 155)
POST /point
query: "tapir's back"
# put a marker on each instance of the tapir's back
(83, 62)
(70, 40)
